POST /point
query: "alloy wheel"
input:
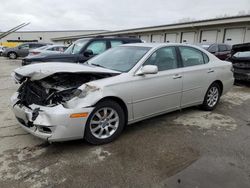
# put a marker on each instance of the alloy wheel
(212, 96)
(104, 123)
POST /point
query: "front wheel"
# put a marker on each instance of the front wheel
(212, 97)
(105, 123)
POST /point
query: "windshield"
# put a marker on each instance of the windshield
(122, 58)
(76, 47)
(242, 54)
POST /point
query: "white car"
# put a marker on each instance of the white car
(2, 48)
(49, 49)
(124, 85)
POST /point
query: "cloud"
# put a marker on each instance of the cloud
(110, 14)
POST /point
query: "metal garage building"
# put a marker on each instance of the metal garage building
(229, 30)
(43, 36)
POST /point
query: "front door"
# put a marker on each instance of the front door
(157, 93)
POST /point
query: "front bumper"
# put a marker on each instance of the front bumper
(50, 123)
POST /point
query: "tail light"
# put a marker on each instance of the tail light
(35, 53)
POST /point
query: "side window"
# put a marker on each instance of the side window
(24, 46)
(164, 59)
(222, 48)
(115, 43)
(97, 47)
(191, 56)
(213, 48)
(206, 58)
(35, 45)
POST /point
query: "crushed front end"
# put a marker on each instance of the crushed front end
(39, 105)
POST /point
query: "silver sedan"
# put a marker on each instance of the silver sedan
(124, 85)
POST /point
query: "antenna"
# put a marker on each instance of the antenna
(4, 34)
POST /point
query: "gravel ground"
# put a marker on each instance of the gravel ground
(191, 148)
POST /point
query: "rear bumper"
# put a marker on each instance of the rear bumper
(242, 74)
(50, 123)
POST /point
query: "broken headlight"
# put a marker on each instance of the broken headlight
(81, 93)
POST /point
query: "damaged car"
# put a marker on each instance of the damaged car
(240, 59)
(124, 85)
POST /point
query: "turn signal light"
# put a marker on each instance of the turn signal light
(79, 115)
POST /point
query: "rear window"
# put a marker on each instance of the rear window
(242, 54)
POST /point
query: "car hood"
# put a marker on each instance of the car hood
(42, 70)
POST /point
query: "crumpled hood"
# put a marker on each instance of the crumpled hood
(52, 56)
(42, 70)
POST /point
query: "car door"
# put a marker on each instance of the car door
(197, 75)
(156, 93)
(23, 50)
(223, 52)
(97, 47)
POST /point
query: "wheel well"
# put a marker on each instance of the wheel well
(120, 102)
(220, 84)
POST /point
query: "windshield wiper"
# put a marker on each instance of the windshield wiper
(97, 65)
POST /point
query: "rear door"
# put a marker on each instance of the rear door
(197, 75)
(23, 50)
(223, 52)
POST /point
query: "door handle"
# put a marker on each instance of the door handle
(177, 76)
(210, 71)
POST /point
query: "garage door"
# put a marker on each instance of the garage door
(145, 38)
(171, 37)
(247, 37)
(209, 36)
(188, 37)
(234, 36)
(158, 38)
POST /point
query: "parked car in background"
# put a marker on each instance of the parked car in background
(124, 85)
(240, 59)
(222, 51)
(2, 48)
(46, 50)
(82, 50)
(22, 50)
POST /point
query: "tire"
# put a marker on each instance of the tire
(212, 97)
(98, 124)
(12, 55)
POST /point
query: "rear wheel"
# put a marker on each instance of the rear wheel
(12, 55)
(105, 123)
(212, 97)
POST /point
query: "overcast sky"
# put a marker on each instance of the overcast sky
(111, 14)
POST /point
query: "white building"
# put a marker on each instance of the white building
(229, 30)
(43, 36)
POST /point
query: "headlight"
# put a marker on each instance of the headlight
(81, 93)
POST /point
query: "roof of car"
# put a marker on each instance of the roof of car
(155, 45)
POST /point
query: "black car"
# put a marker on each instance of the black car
(222, 51)
(240, 58)
(82, 50)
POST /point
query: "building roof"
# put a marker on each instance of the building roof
(191, 24)
(58, 31)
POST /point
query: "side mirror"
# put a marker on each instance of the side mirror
(88, 53)
(148, 69)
